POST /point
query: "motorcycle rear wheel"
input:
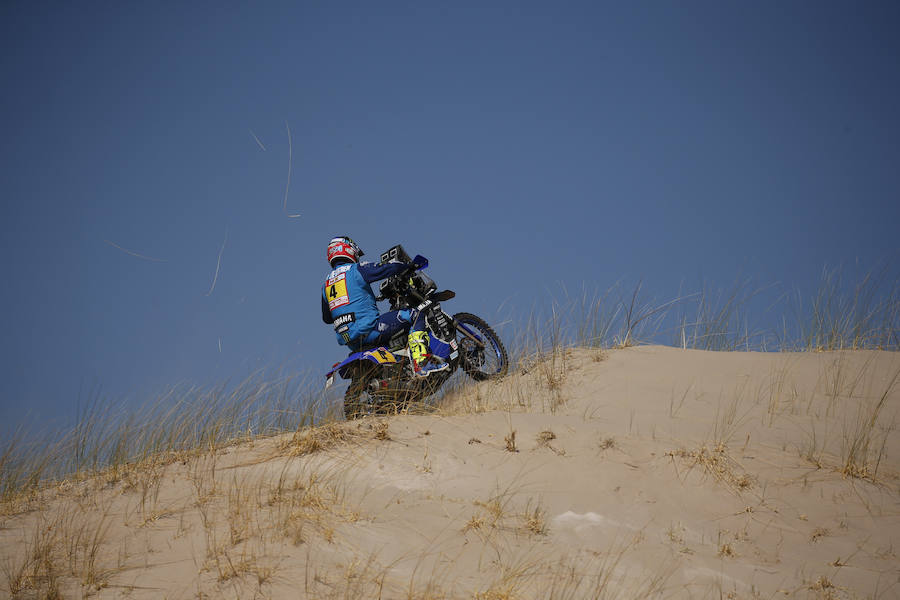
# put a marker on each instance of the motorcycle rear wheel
(359, 400)
(353, 407)
(489, 362)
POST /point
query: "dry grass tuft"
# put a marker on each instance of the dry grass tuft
(35, 571)
(511, 441)
(66, 548)
(497, 514)
(310, 502)
(380, 431)
(476, 522)
(495, 507)
(824, 587)
(545, 437)
(675, 534)
(715, 462)
(817, 533)
(543, 441)
(492, 513)
(315, 439)
(862, 453)
(598, 577)
(534, 518)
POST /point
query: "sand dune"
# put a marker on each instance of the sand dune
(634, 473)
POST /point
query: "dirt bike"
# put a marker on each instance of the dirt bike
(381, 377)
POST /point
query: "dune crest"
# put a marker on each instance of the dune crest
(639, 472)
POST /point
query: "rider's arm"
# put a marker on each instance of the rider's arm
(326, 312)
(372, 272)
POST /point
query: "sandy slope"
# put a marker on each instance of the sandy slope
(642, 472)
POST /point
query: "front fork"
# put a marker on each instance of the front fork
(457, 325)
(465, 331)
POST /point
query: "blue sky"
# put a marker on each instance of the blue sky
(523, 147)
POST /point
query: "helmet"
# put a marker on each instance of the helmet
(343, 247)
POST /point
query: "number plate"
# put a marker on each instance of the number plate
(382, 356)
(336, 288)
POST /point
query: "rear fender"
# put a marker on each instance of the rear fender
(345, 368)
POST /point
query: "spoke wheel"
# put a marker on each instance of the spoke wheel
(357, 400)
(480, 363)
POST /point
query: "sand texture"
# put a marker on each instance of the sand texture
(644, 472)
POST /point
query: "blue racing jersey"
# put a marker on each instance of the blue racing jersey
(348, 301)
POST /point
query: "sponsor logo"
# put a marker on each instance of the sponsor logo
(345, 319)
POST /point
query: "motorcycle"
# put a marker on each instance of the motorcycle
(381, 377)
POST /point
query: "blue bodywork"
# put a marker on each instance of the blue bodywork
(379, 356)
(441, 348)
(383, 356)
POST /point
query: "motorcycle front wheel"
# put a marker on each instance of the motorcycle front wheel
(483, 357)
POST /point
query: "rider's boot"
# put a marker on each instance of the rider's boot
(423, 362)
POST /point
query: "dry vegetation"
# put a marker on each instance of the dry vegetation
(629, 472)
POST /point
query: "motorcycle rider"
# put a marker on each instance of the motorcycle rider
(349, 304)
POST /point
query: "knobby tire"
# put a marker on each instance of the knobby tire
(491, 344)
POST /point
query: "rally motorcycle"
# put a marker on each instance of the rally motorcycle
(382, 379)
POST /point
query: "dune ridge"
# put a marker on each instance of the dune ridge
(638, 472)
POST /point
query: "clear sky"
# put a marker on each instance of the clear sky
(523, 147)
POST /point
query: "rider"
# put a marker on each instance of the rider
(349, 304)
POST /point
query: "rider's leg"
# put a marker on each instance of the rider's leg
(392, 322)
(423, 363)
(418, 341)
(387, 326)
